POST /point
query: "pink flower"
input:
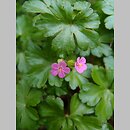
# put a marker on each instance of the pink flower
(80, 64)
(60, 69)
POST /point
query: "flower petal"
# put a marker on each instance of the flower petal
(54, 72)
(76, 65)
(66, 70)
(62, 63)
(55, 66)
(61, 74)
(78, 59)
(80, 69)
(84, 66)
(82, 60)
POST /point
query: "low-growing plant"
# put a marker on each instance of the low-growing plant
(65, 64)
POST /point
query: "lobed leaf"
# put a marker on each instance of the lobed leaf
(99, 95)
(26, 99)
(66, 22)
(75, 79)
(108, 8)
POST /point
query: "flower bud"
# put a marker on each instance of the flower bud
(59, 60)
(70, 63)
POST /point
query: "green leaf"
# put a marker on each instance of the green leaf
(53, 113)
(24, 121)
(108, 8)
(100, 96)
(64, 29)
(84, 53)
(27, 116)
(55, 123)
(78, 108)
(104, 108)
(106, 36)
(86, 123)
(34, 97)
(38, 75)
(54, 81)
(58, 91)
(66, 22)
(53, 107)
(68, 125)
(19, 30)
(21, 25)
(91, 96)
(102, 77)
(109, 22)
(35, 6)
(22, 62)
(87, 73)
(61, 91)
(86, 39)
(101, 50)
(87, 86)
(32, 113)
(66, 38)
(107, 127)
(40, 64)
(75, 79)
(109, 62)
(24, 30)
(37, 55)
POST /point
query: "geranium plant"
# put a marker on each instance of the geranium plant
(65, 64)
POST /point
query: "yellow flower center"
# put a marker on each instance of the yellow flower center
(80, 65)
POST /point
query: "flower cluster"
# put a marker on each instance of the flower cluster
(61, 68)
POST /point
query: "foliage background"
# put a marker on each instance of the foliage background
(80, 101)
